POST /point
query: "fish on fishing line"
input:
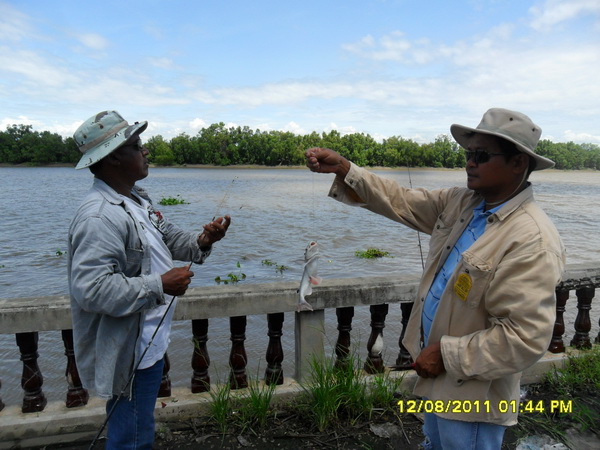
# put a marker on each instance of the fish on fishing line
(309, 276)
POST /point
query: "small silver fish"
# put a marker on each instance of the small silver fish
(377, 346)
(309, 276)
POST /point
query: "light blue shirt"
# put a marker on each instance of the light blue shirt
(473, 231)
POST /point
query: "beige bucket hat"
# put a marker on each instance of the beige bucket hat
(102, 134)
(510, 125)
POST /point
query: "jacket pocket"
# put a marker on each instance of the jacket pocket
(471, 280)
(134, 261)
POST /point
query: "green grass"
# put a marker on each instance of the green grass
(581, 373)
(221, 406)
(344, 394)
(254, 408)
(575, 391)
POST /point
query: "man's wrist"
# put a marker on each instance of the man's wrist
(344, 168)
(201, 246)
(204, 248)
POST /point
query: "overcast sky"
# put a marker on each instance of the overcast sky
(405, 68)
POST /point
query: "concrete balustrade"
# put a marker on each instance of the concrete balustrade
(26, 317)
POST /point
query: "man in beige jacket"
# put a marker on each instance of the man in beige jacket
(485, 308)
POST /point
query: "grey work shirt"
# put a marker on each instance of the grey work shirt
(111, 285)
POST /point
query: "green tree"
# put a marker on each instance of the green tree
(181, 148)
(160, 151)
(19, 151)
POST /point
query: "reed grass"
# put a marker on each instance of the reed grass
(221, 406)
(345, 394)
(254, 408)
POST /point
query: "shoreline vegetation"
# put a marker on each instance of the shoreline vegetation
(241, 147)
(259, 167)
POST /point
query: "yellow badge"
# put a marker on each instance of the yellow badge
(463, 286)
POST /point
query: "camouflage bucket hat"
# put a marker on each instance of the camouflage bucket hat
(512, 126)
(102, 134)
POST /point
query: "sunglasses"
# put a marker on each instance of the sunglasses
(480, 157)
(137, 145)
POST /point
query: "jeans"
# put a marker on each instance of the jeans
(449, 434)
(131, 425)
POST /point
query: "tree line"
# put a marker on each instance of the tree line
(222, 146)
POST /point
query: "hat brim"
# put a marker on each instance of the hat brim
(115, 141)
(462, 134)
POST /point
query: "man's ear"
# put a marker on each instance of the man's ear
(520, 162)
(113, 159)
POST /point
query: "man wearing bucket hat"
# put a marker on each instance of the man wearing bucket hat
(122, 279)
(485, 306)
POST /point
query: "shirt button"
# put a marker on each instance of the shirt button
(448, 248)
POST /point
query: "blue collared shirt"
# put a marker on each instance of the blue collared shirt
(473, 231)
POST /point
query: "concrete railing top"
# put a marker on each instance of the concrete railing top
(19, 315)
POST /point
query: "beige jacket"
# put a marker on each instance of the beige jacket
(496, 316)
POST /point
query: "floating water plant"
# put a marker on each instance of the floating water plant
(169, 201)
(371, 253)
(279, 268)
(232, 277)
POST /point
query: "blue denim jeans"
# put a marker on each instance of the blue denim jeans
(131, 425)
(449, 434)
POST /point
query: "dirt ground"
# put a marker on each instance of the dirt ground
(286, 431)
(289, 431)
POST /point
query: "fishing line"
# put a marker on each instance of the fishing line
(225, 195)
(313, 212)
(418, 234)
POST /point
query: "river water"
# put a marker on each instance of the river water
(275, 213)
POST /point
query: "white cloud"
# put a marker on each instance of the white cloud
(20, 120)
(197, 124)
(554, 12)
(14, 25)
(93, 41)
(293, 127)
(581, 137)
(392, 47)
(342, 130)
(34, 68)
(65, 130)
(162, 63)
